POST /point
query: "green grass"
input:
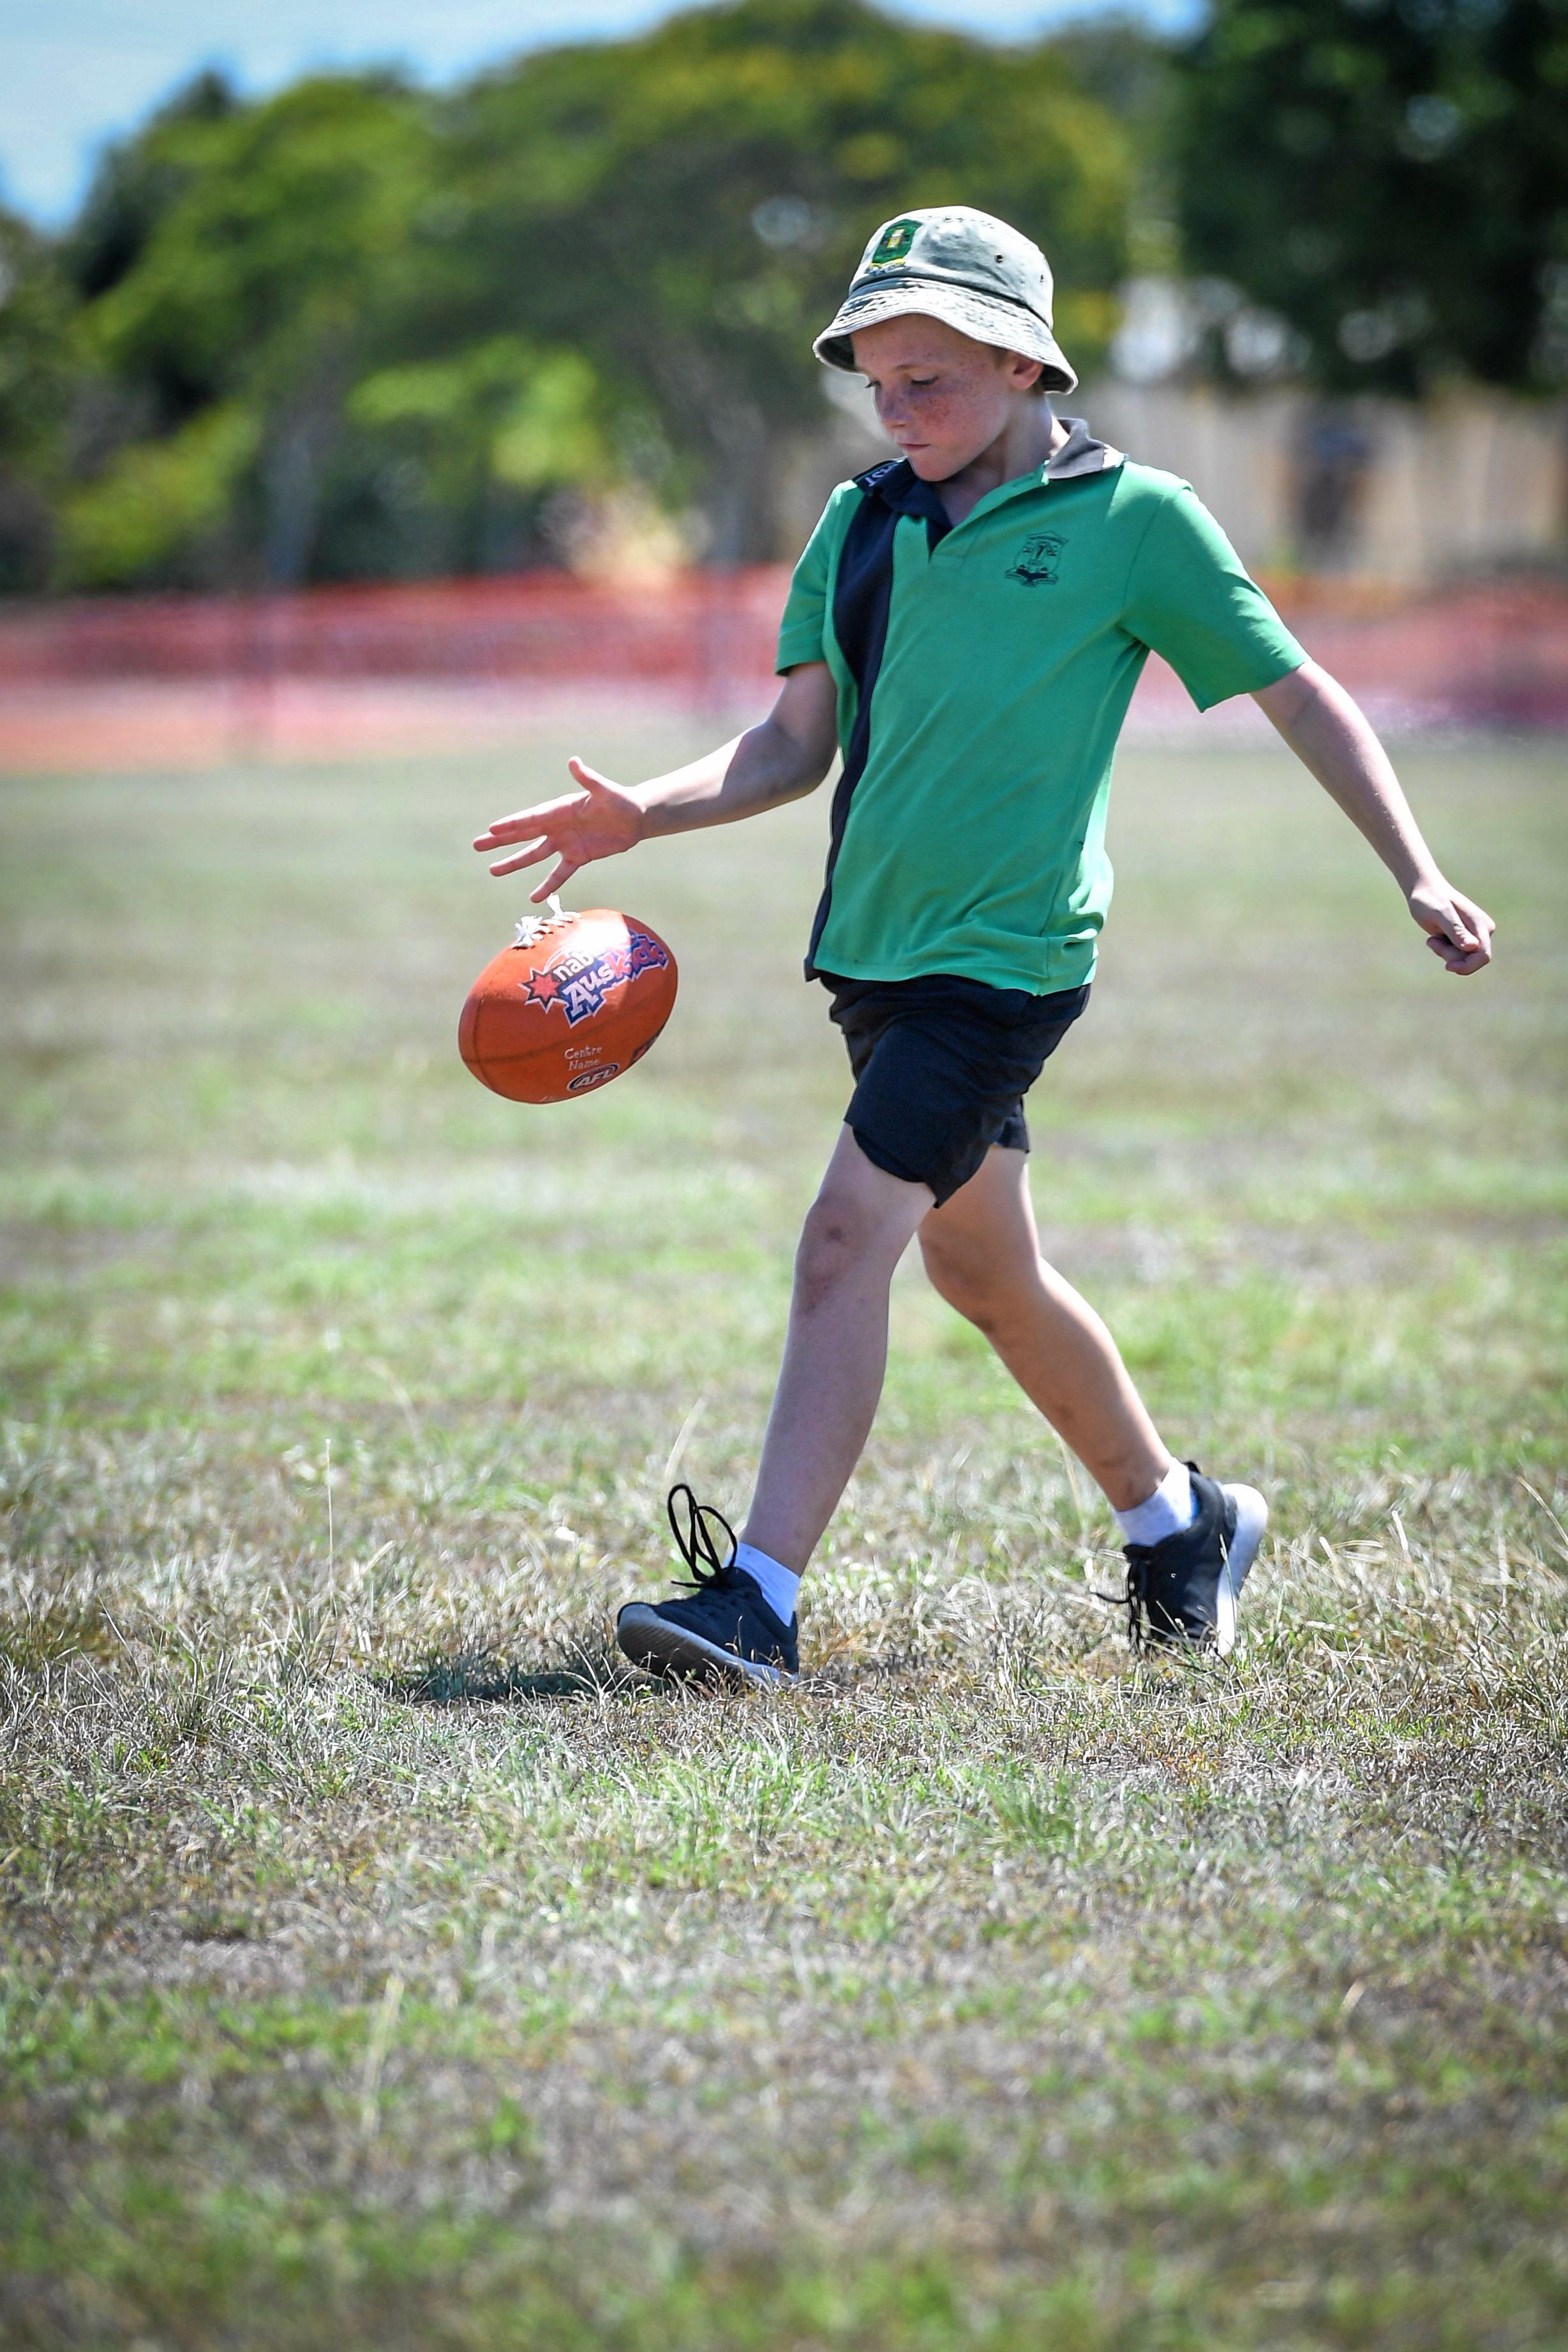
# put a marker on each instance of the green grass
(383, 1966)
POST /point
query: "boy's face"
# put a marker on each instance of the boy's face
(939, 394)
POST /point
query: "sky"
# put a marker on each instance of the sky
(78, 72)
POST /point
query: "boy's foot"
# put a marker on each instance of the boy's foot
(1182, 1594)
(726, 1630)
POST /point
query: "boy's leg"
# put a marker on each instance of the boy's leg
(982, 1253)
(737, 1620)
(835, 1353)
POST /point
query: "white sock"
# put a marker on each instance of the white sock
(1171, 1507)
(779, 1586)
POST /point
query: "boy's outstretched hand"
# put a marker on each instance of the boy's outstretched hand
(600, 821)
(1456, 928)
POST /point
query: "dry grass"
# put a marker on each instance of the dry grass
(385, 1966)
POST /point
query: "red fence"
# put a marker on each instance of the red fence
(542, 625)
(147, 681)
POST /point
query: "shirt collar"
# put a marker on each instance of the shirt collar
(1080, 453)
(895, 482)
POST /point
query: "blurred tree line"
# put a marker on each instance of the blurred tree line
(361, 330)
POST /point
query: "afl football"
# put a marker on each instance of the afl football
(571, 1003)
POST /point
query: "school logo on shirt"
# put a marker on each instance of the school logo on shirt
(1037, 559)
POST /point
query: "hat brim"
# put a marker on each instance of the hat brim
(1007, 325)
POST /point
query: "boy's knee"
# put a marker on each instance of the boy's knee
(836, 1238)
(972, 1290)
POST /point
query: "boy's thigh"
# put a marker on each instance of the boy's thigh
(941, 1067)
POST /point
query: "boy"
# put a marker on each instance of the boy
(966, 626)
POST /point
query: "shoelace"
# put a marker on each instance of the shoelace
(1135, 1597)
(694, 1543)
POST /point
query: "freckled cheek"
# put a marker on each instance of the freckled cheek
(929, 414)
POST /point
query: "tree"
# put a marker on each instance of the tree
(239, 261)
(687, 209)
(1389, 177)
(36, 378)
(137, 182)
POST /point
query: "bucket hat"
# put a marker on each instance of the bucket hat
(952, 262)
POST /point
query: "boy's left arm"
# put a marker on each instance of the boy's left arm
(1329, 734)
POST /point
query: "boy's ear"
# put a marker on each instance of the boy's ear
(1024, 374)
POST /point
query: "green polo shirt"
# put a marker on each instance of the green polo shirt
(983, 672)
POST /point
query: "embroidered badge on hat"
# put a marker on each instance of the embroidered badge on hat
(893, 244)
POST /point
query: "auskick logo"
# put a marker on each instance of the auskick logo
(1036, 560)
(579, 983)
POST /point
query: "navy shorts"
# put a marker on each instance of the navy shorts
(941, 1065)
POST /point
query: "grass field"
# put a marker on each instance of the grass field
(382, 1968)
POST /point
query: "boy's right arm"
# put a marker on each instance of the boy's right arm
(786, 756)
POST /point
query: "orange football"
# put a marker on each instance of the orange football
(574, 1001)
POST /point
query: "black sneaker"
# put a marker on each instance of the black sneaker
(1182, 1594)
(726, 1630)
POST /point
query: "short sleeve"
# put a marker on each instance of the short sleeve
(803, 631)
(1190, 601)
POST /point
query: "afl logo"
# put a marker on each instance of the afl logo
(586, 1078)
